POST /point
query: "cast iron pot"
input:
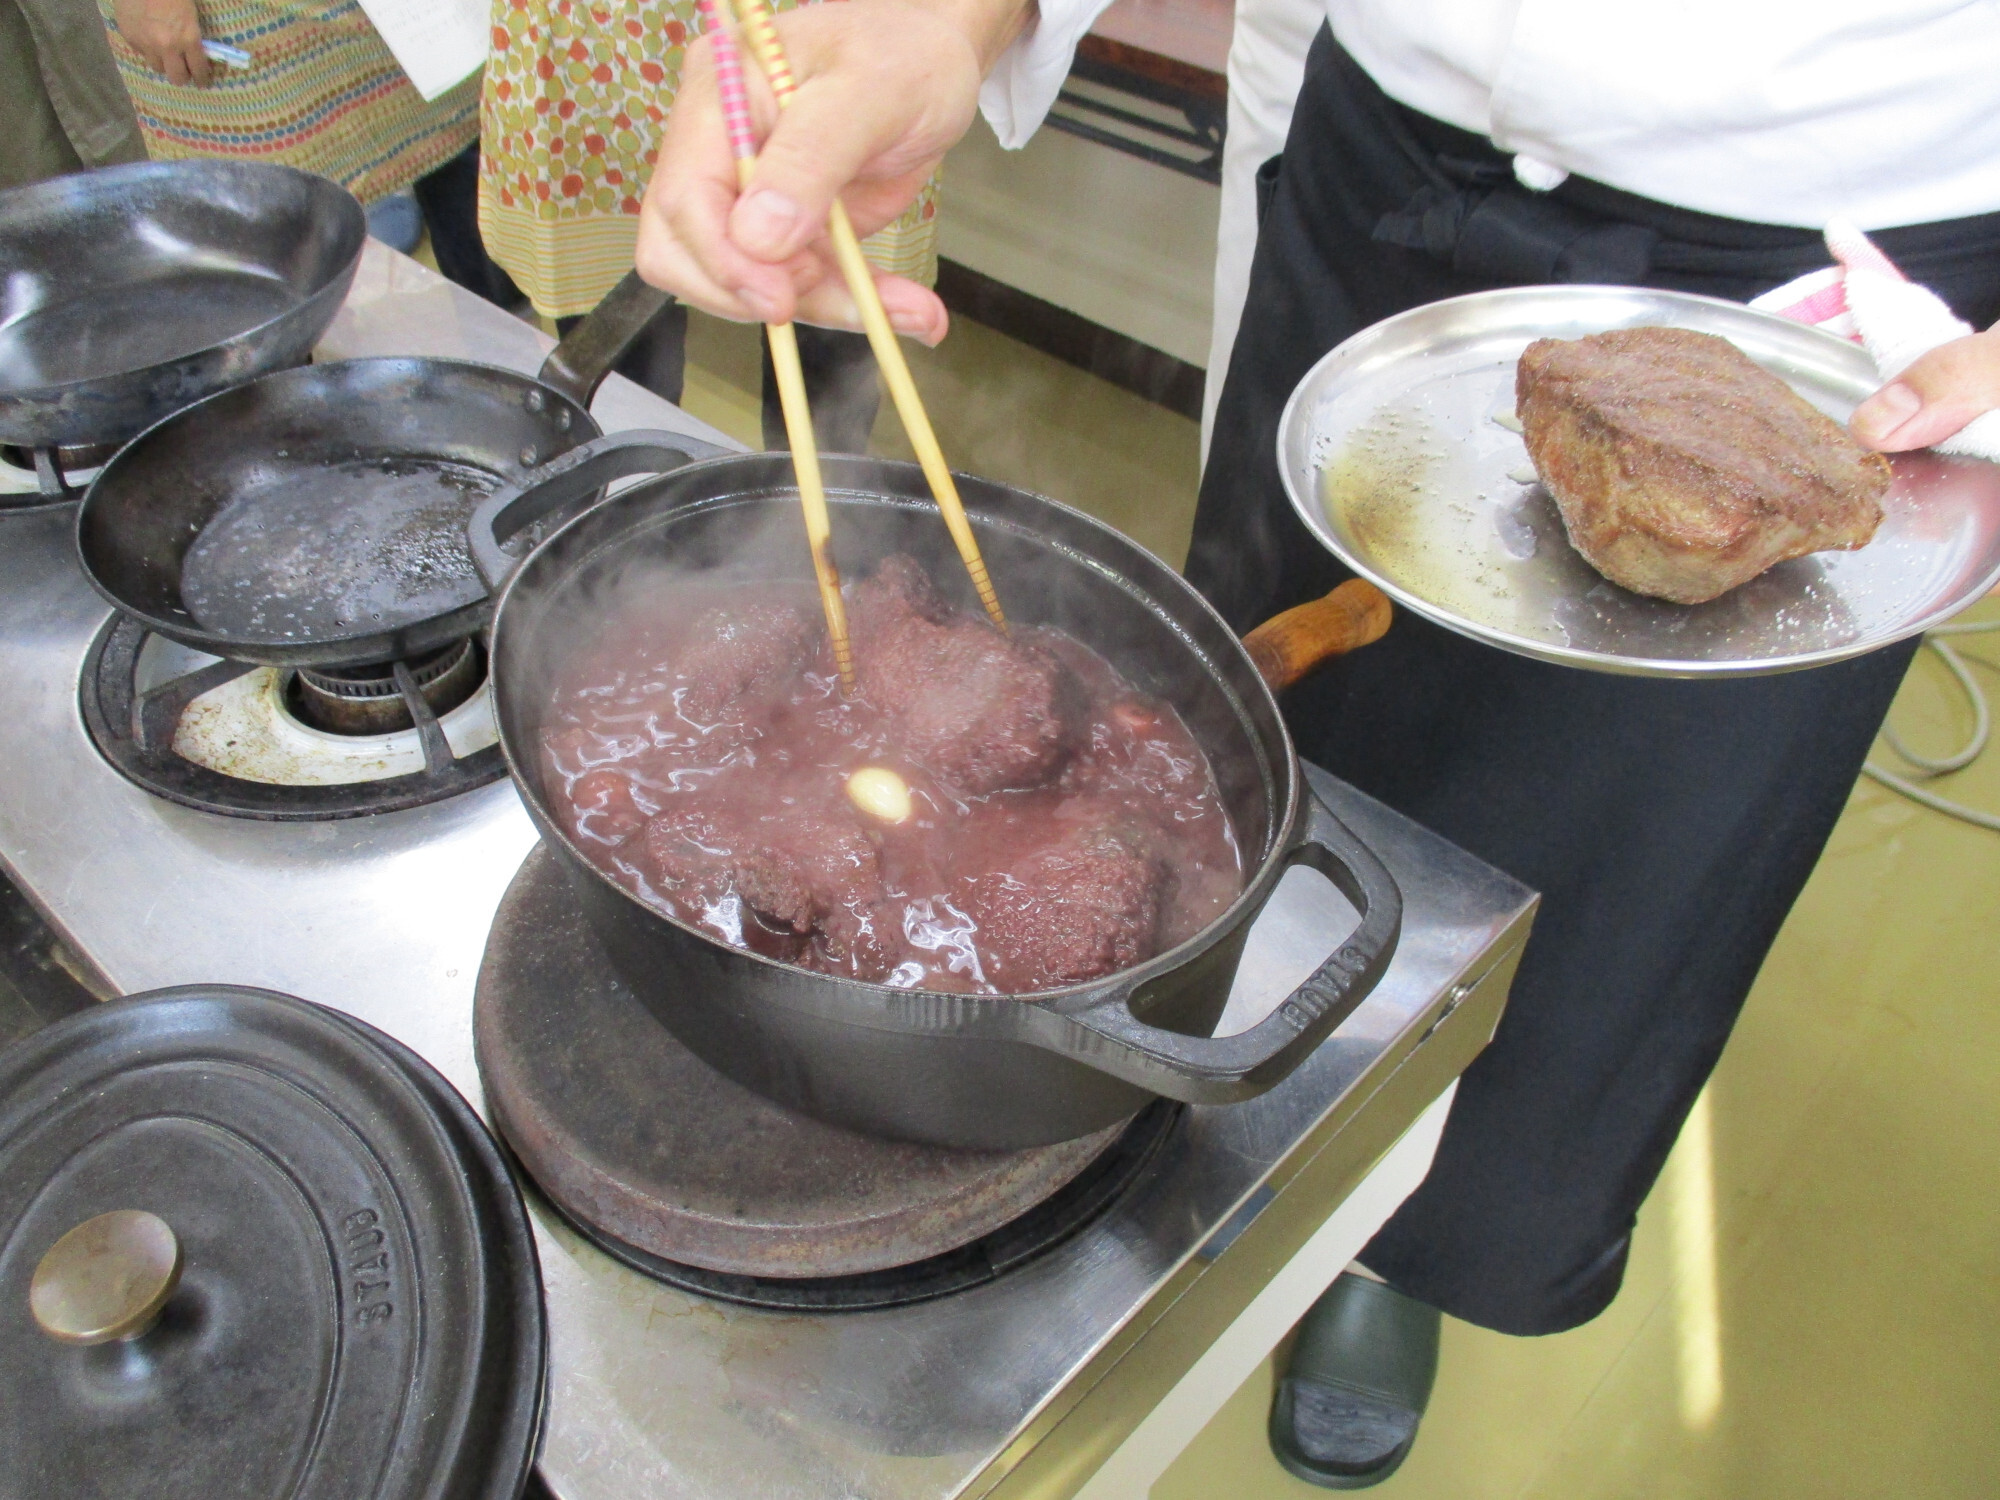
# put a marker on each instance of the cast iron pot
(991, 1072)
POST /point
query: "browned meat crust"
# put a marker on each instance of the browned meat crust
(746, 648)
(1682, 468)
(979, 711)
(1084, 907)
(799, 870)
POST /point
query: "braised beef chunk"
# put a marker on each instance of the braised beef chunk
(978, 710)
(896, 590)
(748, 647)
(812, 872)
(1056, 824)
(1074, 910)
(602, 810)
(1682, 468)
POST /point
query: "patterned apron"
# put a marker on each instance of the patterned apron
(322, 93)
(577, 92)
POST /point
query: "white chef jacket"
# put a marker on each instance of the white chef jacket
(1267, 64)
(1880, 112)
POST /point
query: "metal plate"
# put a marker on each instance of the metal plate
(1397, 452)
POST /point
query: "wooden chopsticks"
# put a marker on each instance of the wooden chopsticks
(755, 16)
(785, 363)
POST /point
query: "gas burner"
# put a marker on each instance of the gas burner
(253, 741)
(371, 700)
(38, 478)
(694, 1180)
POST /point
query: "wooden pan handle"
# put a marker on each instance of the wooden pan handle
(1288, 646)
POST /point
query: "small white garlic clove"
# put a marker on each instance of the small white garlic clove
(880, 792)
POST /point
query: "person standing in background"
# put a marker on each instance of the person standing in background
(322, 92)
(576, 96)
(62, 108)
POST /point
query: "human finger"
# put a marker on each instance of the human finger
(870, 105)
(914, 310)
(676, 228)
(1935, 397)
(665, 261)
(684, 245)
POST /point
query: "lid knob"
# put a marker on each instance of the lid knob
(106, 1279)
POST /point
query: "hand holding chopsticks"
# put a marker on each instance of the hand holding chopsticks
(755, 16)
(785, 364)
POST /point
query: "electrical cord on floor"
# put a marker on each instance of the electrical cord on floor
(1928, 766)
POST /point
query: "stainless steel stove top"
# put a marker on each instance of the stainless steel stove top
(1023, 1386)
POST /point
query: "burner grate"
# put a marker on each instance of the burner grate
(135, 729)
(43, 478)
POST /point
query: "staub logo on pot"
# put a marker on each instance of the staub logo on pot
(367, 1262)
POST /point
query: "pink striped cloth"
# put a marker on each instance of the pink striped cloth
(1865, 298)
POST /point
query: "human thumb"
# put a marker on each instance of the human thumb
(1935, 397)
(818, 146)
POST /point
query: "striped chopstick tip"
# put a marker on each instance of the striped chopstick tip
(729, 83)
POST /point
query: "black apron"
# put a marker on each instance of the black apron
(1668, 824)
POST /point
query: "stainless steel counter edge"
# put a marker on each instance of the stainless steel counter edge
(1081, 1425)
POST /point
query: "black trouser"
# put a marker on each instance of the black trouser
(1668, 824)
(842, 387)
(449, 198)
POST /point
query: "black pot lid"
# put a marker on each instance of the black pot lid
(348, 1300)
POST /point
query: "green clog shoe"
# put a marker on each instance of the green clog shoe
(1361, 1372)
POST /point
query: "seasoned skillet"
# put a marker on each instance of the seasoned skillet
(130, 292)
(316, 517)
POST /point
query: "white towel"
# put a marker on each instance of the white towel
(1865, 298)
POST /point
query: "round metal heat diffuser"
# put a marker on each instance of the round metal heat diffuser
(694, 1179)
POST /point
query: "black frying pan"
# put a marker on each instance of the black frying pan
(316, 517)
(130, 292)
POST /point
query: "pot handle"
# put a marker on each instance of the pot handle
(577, 365)
(577, 475)
(1222, 1070)
(1288, 646)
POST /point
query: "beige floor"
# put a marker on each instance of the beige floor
(1005, 411)
(1813, 1307)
